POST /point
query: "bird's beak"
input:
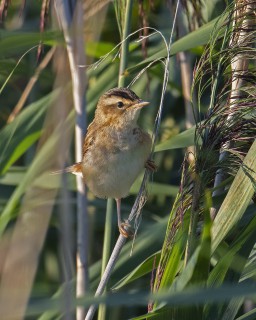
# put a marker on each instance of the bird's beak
(140, 104)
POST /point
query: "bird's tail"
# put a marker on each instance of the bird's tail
(75, 169)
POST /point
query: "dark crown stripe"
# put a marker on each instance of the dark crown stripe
(123, 93)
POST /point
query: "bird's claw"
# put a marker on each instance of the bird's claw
(125, 230)
(150, 165)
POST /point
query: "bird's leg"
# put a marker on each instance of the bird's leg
(150, 165)
(118, 207)
(124, 228)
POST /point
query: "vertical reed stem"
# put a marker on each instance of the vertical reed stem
(106, 249)
(71, 15)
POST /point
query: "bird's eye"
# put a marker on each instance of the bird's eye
(120, 104)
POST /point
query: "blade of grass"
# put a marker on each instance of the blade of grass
(188, 297)
(18, 136)
(144, 268)
(181, 140)
(196, 38)
(237, 199)
(31, 84)
(231, 266)
(251, 315)
(15, 42)
(29, 177)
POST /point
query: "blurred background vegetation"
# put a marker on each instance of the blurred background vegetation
(39, 221)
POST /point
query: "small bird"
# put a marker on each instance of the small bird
(115, 148)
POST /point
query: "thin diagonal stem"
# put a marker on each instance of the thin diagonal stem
(104, 280)
(136, 207)
(110, 211)
(30, 84)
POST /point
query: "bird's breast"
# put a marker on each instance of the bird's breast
(112, 165)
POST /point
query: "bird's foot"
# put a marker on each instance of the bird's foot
(125, 230)
(150, 165)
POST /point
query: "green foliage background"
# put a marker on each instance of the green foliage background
(220, 274)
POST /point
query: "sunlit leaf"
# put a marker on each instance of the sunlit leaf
(181, 140)
(237, 199)
(18, 42)
(145, 267)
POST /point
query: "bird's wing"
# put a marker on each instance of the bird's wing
(89, 138)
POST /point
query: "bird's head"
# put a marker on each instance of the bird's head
(120, 106)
